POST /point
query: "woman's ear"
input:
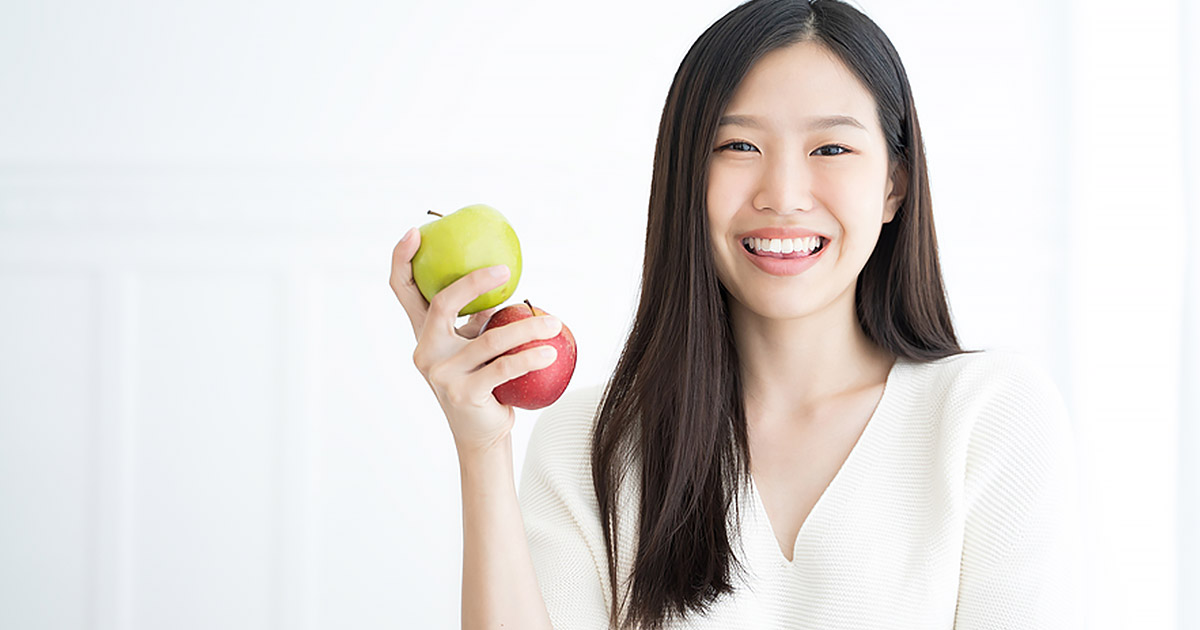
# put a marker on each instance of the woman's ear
(897, 189)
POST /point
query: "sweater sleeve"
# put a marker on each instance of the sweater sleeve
(561, 515)
(1020, 557)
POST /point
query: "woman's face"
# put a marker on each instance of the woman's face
(800, 153)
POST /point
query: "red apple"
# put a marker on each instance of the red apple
(538, 388)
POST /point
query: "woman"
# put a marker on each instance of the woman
(792, 436)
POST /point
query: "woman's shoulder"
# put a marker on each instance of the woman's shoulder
(571, 415)
(562, 433)
(985, 374)
(991, 395)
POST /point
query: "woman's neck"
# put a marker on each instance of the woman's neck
(794, 367)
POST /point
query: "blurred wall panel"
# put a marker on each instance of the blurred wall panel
(47, 355)
(207, 461)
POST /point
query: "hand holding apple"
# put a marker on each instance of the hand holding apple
(450, 358)
(538, 388)
(470, 238)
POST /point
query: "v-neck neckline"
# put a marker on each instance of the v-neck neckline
(889, 385)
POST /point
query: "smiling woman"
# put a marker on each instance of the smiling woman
(792, 436)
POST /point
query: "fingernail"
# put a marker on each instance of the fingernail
(499, 271)
(549, 322)
(547, 352)
(408, 234)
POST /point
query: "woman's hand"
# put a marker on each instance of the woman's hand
(460, 364)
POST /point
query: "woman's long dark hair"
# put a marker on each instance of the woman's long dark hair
(675, 401)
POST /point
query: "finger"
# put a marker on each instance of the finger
(471, 329)
(402, 282)
(445, 306)
(496, 341)
(511, 366)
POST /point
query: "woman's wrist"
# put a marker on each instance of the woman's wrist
(489, 455)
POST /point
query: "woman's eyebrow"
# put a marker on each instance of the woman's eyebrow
(814, 124)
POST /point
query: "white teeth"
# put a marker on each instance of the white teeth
(785, 245)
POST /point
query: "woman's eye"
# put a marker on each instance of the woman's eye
(831, 149)
(736, 143)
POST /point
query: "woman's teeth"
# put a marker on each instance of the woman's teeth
(786, 246)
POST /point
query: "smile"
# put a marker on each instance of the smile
(784, 247)
(782, 256)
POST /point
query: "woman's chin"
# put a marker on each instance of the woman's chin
(779, 310)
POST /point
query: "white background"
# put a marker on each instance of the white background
(208, 412)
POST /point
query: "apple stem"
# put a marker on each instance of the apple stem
(434, 213)
(530, 307)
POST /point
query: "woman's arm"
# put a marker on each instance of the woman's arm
(499, 587)
(462, 367)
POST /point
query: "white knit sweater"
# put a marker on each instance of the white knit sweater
(957, 508)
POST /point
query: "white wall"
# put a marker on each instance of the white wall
(208, 411)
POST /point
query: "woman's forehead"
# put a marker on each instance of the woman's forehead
(800, 83)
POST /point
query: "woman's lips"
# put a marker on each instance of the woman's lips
(779, 264)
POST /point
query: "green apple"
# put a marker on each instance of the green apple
(467, 239)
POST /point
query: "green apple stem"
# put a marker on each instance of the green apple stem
(530, 307)
(434, 214)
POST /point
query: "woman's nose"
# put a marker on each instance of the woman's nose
(785, 186)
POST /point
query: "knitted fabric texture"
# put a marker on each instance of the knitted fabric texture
(957, 508)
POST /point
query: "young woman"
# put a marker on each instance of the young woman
(793, 437)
